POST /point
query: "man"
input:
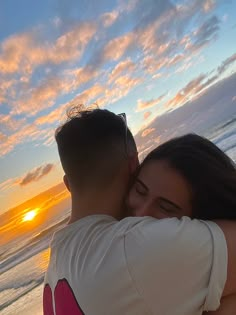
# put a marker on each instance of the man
(103, 266)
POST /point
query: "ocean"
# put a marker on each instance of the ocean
(24, 260)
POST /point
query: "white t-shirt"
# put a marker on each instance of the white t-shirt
(136, 266)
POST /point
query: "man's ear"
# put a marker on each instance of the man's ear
(66, 182)
(133, 163)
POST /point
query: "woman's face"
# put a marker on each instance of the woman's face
(160, 191)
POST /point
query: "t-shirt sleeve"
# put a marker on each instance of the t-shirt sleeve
(177, 266)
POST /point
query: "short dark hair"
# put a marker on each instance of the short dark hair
(210, 172)
(92, 145)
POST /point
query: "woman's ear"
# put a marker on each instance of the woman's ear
(66, 182)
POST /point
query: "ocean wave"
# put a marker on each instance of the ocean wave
(37, 244)
(25, 289)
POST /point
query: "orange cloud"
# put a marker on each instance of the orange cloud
(117, 47)
(176, 59)
(88, 95)
(126, 66)
(7, 184)
(8, 123)
(191, 89)
(121, 87)
(24, 52)
(3, 137)
(56, 115)
(147, 132)
(5, 88)
(42, 96)
(147, 104)
(81, 75)
(208, 5)
(27, 133)
(146, 115)
(45, 94)
(153, 64)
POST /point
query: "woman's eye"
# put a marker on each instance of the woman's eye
(167, 207)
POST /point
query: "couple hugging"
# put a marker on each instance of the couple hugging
(154, 238)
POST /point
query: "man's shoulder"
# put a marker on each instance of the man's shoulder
(108, 225)
(134, 230)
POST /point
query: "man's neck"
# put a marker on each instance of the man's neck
(92, 204)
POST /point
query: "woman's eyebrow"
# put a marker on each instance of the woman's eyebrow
(171, 203)
(141, 183)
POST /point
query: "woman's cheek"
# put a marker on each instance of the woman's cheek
(133, 201)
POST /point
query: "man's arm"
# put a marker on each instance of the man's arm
(229, 230)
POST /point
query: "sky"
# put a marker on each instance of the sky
(149, 59)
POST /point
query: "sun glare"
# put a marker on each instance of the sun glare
(30, 215)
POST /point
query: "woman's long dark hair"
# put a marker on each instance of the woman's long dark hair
(209, 171)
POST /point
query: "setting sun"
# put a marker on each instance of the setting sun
(29, 216)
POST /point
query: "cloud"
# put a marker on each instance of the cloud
(147, 104)
(185, 94)
(10, 124)
(88, 95)
(126, 66)
(146, 115)
(81, 75)
(24, 52)
(206, 32)
(226, 63)
(152, 64)
(154, 35)
(121, 87)
(109, 18)
(200, 115)
(167, 44)
(27, 133)
(42, 96)
(6, 85)
(56, 115)
(209, 5)
(42, 69)
(3, 137)
(32, 176)
(7, 184)
(147, 132)
(117, 47)
(199, 84)
(36, 174)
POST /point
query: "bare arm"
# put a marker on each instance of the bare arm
(227, 306)
(229, 230)
(228, 302)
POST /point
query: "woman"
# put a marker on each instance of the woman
(187, 176)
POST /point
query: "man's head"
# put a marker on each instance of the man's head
(93, 146)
